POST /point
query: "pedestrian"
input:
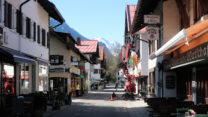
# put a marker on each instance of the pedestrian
(77, 89)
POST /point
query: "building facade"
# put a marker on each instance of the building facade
(24, 45)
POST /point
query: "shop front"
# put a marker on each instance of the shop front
(190, 68)
(59, 86)
(16, 77)
(76, 81)
(184, 65)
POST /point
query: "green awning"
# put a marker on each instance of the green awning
(81, 76)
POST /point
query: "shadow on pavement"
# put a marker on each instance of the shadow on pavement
(79, 109)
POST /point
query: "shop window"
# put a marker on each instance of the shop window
(25, 79)
(43, 78)
(8, 79)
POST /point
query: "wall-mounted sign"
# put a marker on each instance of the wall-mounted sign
(152, 33)
(151, 19)
(59, 70)
(196, 54)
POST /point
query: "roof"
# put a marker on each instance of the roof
(101, 53)
(62, 38)
(130, 12)
(88, 46)
(62, 34)
(143, 7)
(52, 10)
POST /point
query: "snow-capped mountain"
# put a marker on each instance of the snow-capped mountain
(109, 46)
(113, 46)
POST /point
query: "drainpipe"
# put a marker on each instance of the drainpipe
(20, 8)
(23, 4)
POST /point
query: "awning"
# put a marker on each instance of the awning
(183, 37)
(18, 57)
(81, 76)
(42, 62)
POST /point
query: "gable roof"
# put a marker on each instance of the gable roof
(130, 12)
(101, 53)
(52, 10)
(88, 46)
(143, 7)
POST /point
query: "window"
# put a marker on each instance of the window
(43, 78)
(25, 79)
(28, 27)
(8, 15)
(19, 21)
(34, 31)
(0, 10)
(38, 34)
(56, 59)
(96, 71)
(43, 37)
(8, 79)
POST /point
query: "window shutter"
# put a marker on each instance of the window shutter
(34, 31)
(38, 34)
(48, 40)
(9, 15)
(14, 19)
(6, 14)
(28, 22)
(31, 30)
(23, 25)
(43, 37)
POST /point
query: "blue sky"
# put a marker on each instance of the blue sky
(95, 18)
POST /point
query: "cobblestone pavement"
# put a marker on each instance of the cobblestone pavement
(98, 104)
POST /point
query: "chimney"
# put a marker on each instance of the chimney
(78, 41)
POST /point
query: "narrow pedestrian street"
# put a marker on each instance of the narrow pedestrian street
(97, 104)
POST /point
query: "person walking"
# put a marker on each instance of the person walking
(77, 89)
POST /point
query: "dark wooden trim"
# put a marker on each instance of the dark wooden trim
(182, 10)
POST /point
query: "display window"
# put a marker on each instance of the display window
(43, 78)
(25, 78)
(8, 79)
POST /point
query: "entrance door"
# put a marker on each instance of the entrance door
(202, 85)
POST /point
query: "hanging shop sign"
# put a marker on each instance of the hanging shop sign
(75, 70)
(152, 33)
(196, 54)
(151, 19)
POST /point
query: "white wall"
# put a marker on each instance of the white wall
(20, 43)
(97, 66)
